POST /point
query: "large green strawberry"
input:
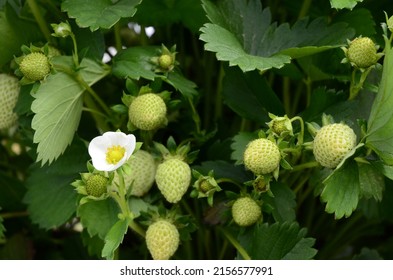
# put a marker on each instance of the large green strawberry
(173, 178)
(9, 92)
(147, 111)
(143, 171)
(262, 156)
(162, 239)
(332, 143)
(246, 211)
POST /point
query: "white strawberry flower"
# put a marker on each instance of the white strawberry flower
(111, 150)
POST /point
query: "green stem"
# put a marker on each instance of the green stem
(303, 166)
(75, 54)
(286, 95)
(355, 87)
(236, 244)
(100, 120)
(121, 200)
(195, 117)
(227, 180)
(11, 215)
(308, 83)
(305, 8)
(218, 101)
(118, 43)
(301, 135)
(80, 80)
(40, 19)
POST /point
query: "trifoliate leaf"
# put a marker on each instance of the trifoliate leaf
(344, 4)
(279, 241)
(114, 238)
(241, 33)
(380, 123)
(58, 108)
(99, 13)
(342, 190)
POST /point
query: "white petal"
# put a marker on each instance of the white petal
(99, 145)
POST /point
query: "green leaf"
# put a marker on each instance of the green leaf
(135, 63)
(283, 202)
(98, 217)
(114, 238)
(58, 108)
(50, 198)
(372, 182)
(12, 191)
(241, 33)
(359, 19)
(279, 241)
(344, 4)
(13, 33)
(342, 190)
(239, 144)
(380, 123)
(162, 13)
(250, 96)
(223, 169)
(179, 82)
(99, 13)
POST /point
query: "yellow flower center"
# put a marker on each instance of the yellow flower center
(114, 154)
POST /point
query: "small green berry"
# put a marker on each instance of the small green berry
(362, 52)
(96, 185)
(35, 66)
(165, 61)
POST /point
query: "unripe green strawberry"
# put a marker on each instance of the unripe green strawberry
(173, 178)
(96, 185)
(262, 156)
(162, 239)
(35, 66)
(147, 111)
(165, 61)
(143, 171)
(362, 52)
(332, 143)
(9, 92)
(246, 211)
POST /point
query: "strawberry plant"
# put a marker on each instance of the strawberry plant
(199, 129)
